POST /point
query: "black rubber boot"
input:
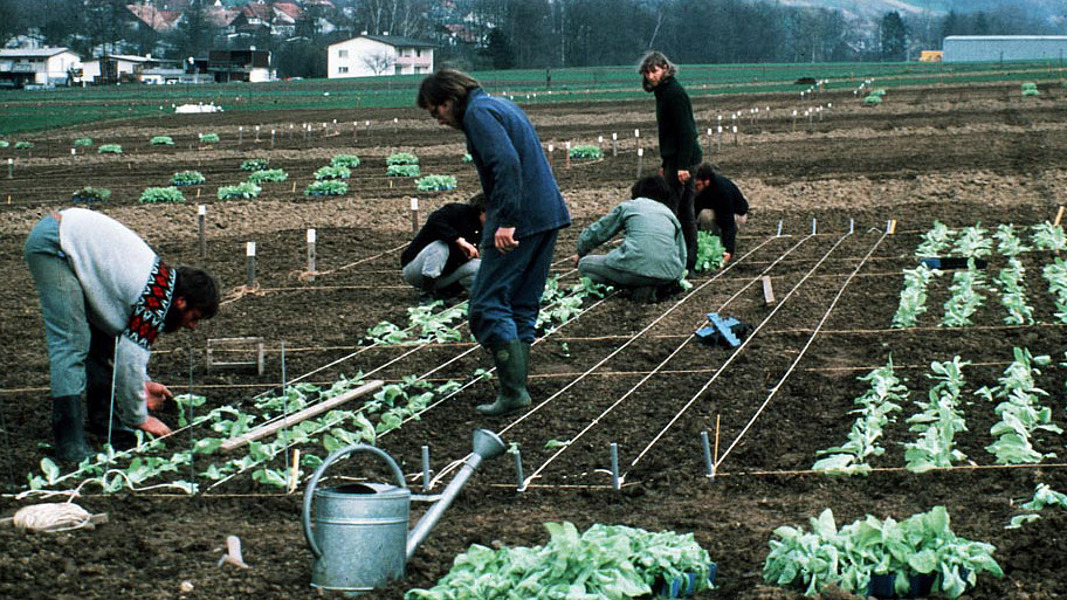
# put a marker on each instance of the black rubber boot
(67, 417)
(98, 402)
(512, 363)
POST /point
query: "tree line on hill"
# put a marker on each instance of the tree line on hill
(505, 34)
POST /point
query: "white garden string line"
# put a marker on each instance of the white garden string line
(796, 361)
(737, 352)
(633, 339)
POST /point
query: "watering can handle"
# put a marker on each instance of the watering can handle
(314, 482)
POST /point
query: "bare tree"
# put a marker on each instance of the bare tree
(379, 62)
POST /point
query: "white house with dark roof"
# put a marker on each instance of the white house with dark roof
(38, 66)
(370, 55)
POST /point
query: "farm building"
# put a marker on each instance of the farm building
(369, 55)
(972, 48)
(37, 66)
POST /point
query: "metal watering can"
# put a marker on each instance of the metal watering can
(360, 539)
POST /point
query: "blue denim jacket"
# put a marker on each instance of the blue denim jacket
(520, 189)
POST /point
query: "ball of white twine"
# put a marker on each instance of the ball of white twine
(62, 516)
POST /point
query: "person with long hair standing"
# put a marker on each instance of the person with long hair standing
(679, 146)
(524, 210)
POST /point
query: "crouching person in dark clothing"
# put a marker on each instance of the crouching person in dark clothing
(443, 258)
(652, 255)
(105, 297)
(720, 207)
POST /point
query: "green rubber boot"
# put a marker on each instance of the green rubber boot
(512, 364)
(67, 428)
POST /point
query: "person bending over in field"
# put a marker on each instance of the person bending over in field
(443, 258)
(651, 259)
(720, 206)
(105, 297)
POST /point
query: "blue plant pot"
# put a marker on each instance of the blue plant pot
(883, 585)
(685, 586)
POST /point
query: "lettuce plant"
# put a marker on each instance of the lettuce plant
(402, 158)
(328, 187)
(1020, 410)
(254, 164)
(966, 298)
(913, 296)
(90, 195)
(267, 175)
(1056, 275)
(154, 195)
(345, 160)
(710, 252)
(241, 191)
(331, 172)
(939, 420)
(586, 151)
(23, 145)
(922, 544)
(83, 142)
(1047, 236)
(935, 241)
(187, 178)
(435, 183)
(402, 171)
(109, 149)
(606, 562)
(161, 140)
(209, 138)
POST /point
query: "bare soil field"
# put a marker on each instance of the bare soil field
(825, 192)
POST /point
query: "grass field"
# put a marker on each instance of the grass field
(23, 111)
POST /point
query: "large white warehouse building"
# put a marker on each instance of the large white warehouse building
(963, 48)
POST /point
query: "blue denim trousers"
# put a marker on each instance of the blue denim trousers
(506, 296)
(430, 263)
(69, 334)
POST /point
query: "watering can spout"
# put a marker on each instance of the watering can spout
(486, 445)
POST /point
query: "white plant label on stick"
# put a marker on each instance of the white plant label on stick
(250, 249)
(414, 204)
(311, 236)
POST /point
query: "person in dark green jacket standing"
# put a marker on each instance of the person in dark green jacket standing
(679, 146)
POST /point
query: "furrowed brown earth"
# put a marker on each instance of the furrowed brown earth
(622, 373)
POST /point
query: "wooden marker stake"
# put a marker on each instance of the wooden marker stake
(892, 227)
(250, 260)
(201, 219)
(568, 155)
(768, 291)
(311, 255)
(1059, 216)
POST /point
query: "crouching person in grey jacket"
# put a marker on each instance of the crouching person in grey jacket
(651, 258)
(105, 297)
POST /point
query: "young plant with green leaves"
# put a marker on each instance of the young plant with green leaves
(23, 145)
(923, 544)
(1008, 241)
(330, 172)
(402, 171)
(90, 195)
(109, 149)
(710, 252)
(973, 243)
(1055, 274)
(913, 296)
(267, 176)
(350, 161)
(401, 158)
(435, 183)
(1047, 236)
(606, 562)
(1020, 410)
(966, 298)
(240, 191)
(255, 164)
(83, 142)
(329, 187)
(187, 178)
(209, 138)
(156, 195)
(884, 394)
(939, 420)
(1044, 496)
(1010, 282)
(161, 140)
(586, 151)
(936, 241)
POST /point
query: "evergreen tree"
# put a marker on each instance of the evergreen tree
(894, 37)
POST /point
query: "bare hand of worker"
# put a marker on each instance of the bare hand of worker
(154, 426)
(726, 256)
(469, 249)
(156, 394)
(504, 240)
(576, 258)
